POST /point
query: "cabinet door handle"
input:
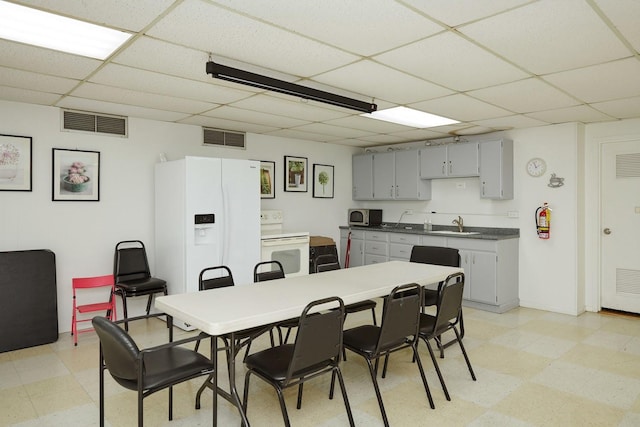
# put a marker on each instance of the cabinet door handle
(450, 167)
(443, 164)
(391, 191)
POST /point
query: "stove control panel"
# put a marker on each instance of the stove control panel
(271, 217)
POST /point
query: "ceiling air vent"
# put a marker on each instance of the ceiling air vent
(223, 138)
(94, 123)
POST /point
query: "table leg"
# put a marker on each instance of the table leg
(214, 359)
(232, 380)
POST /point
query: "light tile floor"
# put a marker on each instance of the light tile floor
(534, 368)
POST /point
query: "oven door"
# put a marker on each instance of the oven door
(291, 252)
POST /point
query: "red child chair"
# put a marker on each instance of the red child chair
(108, 306)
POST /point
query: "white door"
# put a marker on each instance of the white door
(620, 227)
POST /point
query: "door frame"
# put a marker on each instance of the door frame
(593, 202)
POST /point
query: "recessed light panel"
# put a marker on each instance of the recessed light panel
(38, 28)
(410, 117)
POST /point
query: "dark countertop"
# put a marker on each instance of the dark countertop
(484, 233)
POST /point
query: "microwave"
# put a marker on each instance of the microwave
(365, 217)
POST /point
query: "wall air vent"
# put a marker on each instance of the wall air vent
(93, 122)
(224, 138)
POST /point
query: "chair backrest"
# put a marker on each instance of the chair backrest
(327, 262)
(92, 282)
(276, 271)
(222, 278)
(437, 255)
(119, 351)
(319, 336)
(130, 261)
(400, 316)
(449, 303)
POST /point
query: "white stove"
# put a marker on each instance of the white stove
(291, 249)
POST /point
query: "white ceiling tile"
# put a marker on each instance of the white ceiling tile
(45, 61)
(524, 96)
(453, 62)
(352, 26)
(456, 12)
(511, 122)
(118, 109)
(620, 108)
(130, 15)
(162, 84)
(28, 96)
(34, 81)
(549, 36)
(621, 80)
(388, 84)
(225, 124)
(300, 134)
(289, 107)
(579, 113)
(222, 32)
(130, 97)
(461, 107)
(338, 131)
(624, 15)
(261, 118)
(367, 124)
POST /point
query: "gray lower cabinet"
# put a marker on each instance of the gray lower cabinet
(490, 266)
(491, 272)
(356, 254)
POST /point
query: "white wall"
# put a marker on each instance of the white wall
(83, 234)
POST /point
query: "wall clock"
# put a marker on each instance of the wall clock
(536, 167)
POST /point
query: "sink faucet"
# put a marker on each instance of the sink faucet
(459, 222)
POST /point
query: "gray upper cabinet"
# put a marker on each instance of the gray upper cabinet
(392, 175)
(362, 177)
(496, 169)
(450, 160)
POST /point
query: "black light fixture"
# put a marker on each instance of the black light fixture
(235, 75)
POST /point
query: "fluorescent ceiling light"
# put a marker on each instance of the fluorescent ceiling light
(410, 117)
(35, 27)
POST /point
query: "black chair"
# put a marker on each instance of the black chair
(316, 351)
(145, 371)
(398, 330)
(448, 315)
(276, 271)
(328, 262)
(132, 275)
(437, 255)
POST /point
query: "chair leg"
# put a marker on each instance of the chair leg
(140, 406)
(464, 353)
(435, 365)
(344, 396)
(299, 402)
(283, 407)
(124, 310)
(170, 403)
(424, 378)
(384, 367)
(373, 314)
(245, 396)
(373, 372)
(149, 303)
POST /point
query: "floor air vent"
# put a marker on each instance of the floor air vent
(223, 138)
(96, 123)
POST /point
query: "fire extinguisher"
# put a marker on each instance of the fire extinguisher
(543, 221)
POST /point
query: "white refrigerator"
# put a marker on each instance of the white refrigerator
(207, 213)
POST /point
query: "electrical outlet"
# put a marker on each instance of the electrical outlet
(513, 214)
(461, 185)
(409, 211)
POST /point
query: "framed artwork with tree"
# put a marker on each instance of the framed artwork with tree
(295, 174)
(323, 181)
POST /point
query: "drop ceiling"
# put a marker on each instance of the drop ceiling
(492, 65)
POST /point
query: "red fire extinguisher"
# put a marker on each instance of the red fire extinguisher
(543, 221)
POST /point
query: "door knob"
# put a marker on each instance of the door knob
(607, 231)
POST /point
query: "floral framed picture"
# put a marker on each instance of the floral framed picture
(323, 181)
(15, 163)
(76, 175)
(267, 179)
(295, 174)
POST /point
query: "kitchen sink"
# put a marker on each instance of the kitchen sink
(455, 233)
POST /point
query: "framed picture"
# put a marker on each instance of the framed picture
(15, 163)
(295, 173)
(267, 179)
(76, 175)
(323, 181)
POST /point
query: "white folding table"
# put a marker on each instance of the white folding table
(226, 310)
